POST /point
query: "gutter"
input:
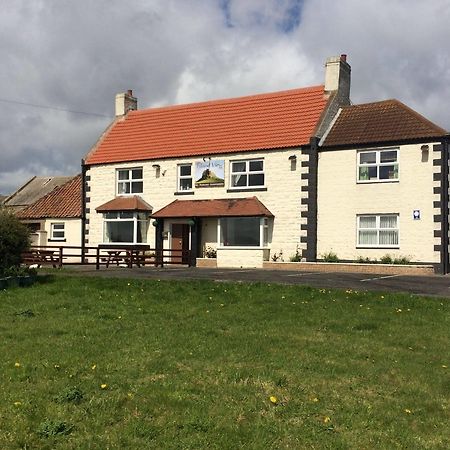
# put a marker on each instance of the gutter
(444, 204)
(83, 210)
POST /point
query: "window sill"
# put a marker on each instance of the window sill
(56, 240)
(248, 189)
(379, 247)
(242, 247)
(376, 181)
(129, 194)
(184, 193)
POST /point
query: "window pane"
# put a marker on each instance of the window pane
(388, 172)
(185, 184)
(368, 158)
(119, 231)
(123, 174)
(58, 226)
(123, 188)
(255, 166)
(388, 221)
(136, 174)
(388, 237)
(126, 215)
(256, 179)
(388, 156)
(367, 222)
(367, 237)
(363, 173)
(142, 228)
(238, 166)
(239, 180)
(110, 215)
(137, 187)
(185, 171)
(58, 235)
(240, 231)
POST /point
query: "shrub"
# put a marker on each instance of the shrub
(330, 257)
(278, 256)
(50, 428)
(402, 260)
(365, 260)
(14, 240)
(297, 257)
(210, 252)
(386, 259)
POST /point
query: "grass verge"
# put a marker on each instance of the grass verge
(107, 363)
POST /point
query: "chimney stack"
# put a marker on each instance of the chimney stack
(125, 102)
(337, 78)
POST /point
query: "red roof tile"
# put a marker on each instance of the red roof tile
(385, 121)
(264, 121)
(226, 207)
(63, 202)
(125, 203)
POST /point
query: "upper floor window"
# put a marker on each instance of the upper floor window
(378, 230)
(378, 165)
(184, 177)
(57, 232)
(247, 173)
(130, 181)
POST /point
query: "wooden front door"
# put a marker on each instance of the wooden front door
(180, 243)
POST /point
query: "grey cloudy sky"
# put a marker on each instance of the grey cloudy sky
(76, 55)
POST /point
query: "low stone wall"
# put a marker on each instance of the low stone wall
(206, 262)
(381, 269)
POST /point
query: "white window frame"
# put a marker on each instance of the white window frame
(377, 229)
(57, 227)
(247, 172)
(263, 234)
(184, 177)
(377, 164)
(135, 219)
(130, 180)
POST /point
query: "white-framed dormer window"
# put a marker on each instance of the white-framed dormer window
(57, 231)
(378, 230)
(247, 174)
(378, 165)
(184, 182)
(243, 231)
(130, 181)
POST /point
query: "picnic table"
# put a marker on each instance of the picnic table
(129, 256)
(41, 256)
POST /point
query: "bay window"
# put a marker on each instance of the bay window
(380, 230)
(378, 165)
(243, 232)
(125, 227)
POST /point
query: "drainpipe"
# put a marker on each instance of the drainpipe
(444, 204)
(83, 211)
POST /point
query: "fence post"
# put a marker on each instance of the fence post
(97, 259)
(60, 257)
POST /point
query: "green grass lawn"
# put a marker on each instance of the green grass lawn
(106, 363)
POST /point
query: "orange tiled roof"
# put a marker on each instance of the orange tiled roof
(125, 203)
(264, 121)
(227, 207)
(385, 121)
(63, 202)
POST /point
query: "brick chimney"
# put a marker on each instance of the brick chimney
(337, 78)
(125, 102)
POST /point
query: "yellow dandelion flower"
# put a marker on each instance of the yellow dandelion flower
(408, 411)
(104, 386)
(326, 419)
(315, 399)
(273, 399)
(444, 366)
(57, 366)
(130, 394)
(17, 364)
(17, 403)
(94, 367)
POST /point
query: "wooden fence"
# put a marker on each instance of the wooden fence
(104, 256)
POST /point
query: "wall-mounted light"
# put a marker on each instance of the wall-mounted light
(155, 223)
(425, 152)
(206, 158)
(293, 160)
(191, 222)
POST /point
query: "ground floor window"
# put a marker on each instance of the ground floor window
(125, 227)
(378, 230)
(57, 231)
(243, 232)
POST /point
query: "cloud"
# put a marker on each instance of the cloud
(78, 55)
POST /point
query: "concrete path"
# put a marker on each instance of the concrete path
(436, 285)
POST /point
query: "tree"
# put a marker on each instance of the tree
(14, 240)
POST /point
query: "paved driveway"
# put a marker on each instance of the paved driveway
(436, 285)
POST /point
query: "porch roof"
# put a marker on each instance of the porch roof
(226, 207)
(125, 203)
